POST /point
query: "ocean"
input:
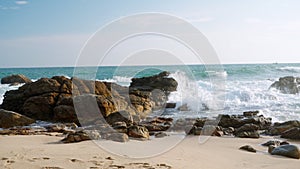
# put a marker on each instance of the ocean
(246, 86)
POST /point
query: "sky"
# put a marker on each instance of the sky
(39, 33)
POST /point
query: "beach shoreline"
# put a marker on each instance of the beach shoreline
(217, 152)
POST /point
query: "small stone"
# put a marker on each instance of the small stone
(160, 135)
(248, 148)
(271, 142)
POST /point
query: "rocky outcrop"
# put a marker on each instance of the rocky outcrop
(61, 99)
(151, 92)
(11, 119)
(15, 79)
(287, 85)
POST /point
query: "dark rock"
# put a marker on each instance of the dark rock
(284, 143)
(120, 116)
(279, 128)
(287, 85)
(138, 132)
(271, 142)
(170, 105)
(65, 113)
(15, 79)
(119, 137)
(293, 133)
(250, 113)
(247, 131)
(291, 151)
(11, 119)
(248, 148)
(120, 127)
(160, 135)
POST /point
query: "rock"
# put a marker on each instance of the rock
(138, 132)
(11, 119)
(287, 85)
(271, 148)
(271, 142)
(291, 151)
(250, 113)
(247, 131)
(65, 113)
(248, 148)
(119, 137)
(170, 105)
(151, 92)
(15, 79)
(52, 99)
(76, 137)
(293, 133)
(279, 128)
(120, 127)
(120, 116)
(284, 143)
(160, 135)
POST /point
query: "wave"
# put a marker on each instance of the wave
(289, 69)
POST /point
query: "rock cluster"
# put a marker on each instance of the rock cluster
(287, 85)
(60, 99)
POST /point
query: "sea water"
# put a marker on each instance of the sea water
(222, 89)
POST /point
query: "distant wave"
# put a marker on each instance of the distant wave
(289, 69)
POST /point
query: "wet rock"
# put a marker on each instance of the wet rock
(119, 137)
(291, 151)
(248, 148)
(287, 85)
(183, 107)
(139, 132)
(293, 133)
(15, 79)
(11, 119)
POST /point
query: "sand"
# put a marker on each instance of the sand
(30, 152)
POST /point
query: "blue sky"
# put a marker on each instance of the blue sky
(52, 32)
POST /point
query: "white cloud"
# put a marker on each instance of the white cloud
(21, 2)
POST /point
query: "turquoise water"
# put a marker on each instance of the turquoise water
(240, 87)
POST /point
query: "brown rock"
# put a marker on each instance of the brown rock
(293, 133)
(119, 137)
(11, 119)
(15, 79)
(248, 148)
(138, 132)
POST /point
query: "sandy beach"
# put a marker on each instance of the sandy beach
(47, 152)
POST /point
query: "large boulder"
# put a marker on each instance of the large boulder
(15, 79)
(11, 119)
(287, 85)
(291, 151)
